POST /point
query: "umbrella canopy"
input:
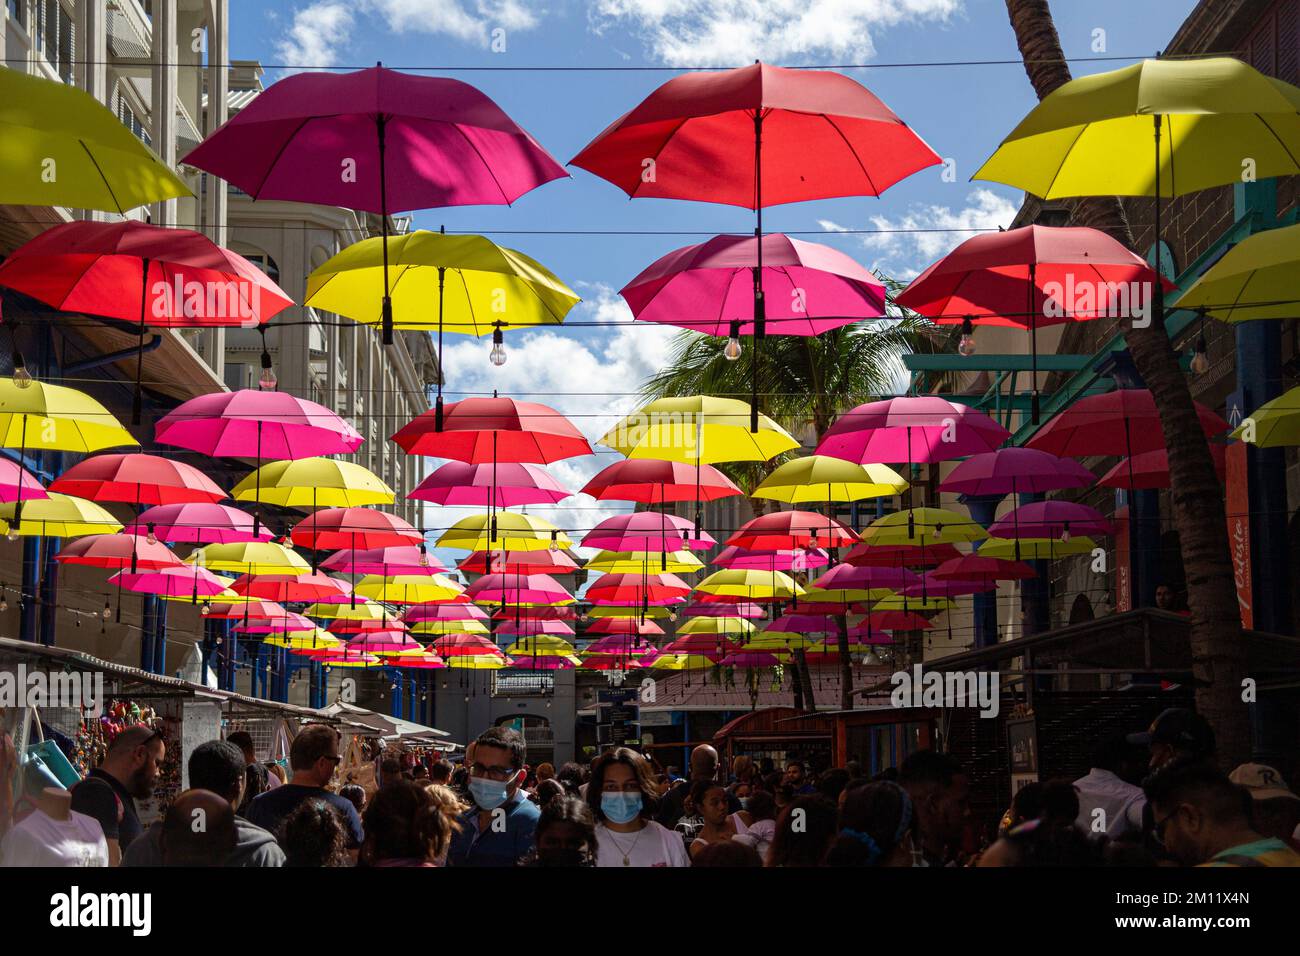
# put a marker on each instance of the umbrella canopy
(636, 562)
(1048, 519)
(751, 659)
(443, 612)
(291, 588)
(914, 429)
(745, 610)
(306, 639)
(246, 610)
(255, 424)
(514, 588)
(623, 627)
(542, 646)
(660, 588)
(1255, 279)
(332, 528)
(506, 485)
(698, 429)
(1095, 135)
(417, 661)
(118, 551)
(1150, 469)
(1036, 549)
(654, 481)
(17, 482)
(709, 287)
(925, 554)
(878, 581)
(822, 133)
(823, 478)
(792, 529)
(1275, 423)
(35, 416)
(96, 161)
(385, 623)
(276, 625)
(177, 581)
(920, 525)
(504, 530)
(894, 621)
(1015, 471)
(547, 662)
(646, 531)
(978, 567)
(478, 430)
(750, 586)
(357, 609)
(57, 516)
(790, 559)
(1122, 422)
(408, 588)
(529, 562)
(599, 611)
(393, 559)
(138, 479)
(314, 482)
(531, 626)
(715, 625)
(249, 557)
(930, 586)
(198, 523)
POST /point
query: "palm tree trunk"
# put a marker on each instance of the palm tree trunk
(1217, 645)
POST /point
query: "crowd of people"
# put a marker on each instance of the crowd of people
(1154, 798)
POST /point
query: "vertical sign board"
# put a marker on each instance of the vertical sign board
(1237, 505)
(1123, 562)
(618, 717)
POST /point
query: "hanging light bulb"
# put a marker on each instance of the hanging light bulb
(206, 607)
(554, 546)
(732, 350)
(12, 533)
(672, 615)
(1065, 533)
(107, 612)
(966, 345)
(151, 537)
(1201, 357)
(498, 353)
(871, 658)
(4, 603)
(22, 377)
(267, 380)
(424, 556)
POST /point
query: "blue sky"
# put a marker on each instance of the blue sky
(962, 111)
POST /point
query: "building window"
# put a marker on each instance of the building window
(56, 37)
(265, 263)
(18, 11)
(131, 121)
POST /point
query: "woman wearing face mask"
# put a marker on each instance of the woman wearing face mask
(622, 795)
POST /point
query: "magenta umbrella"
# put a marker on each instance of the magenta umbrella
(180, 581)
(796, 559)
(1015, 471)
(544, 662)
(527, 626)
(647, 531)
(633, 644)
(750, 659)
(418, 613)
(745, 610)
(197, 523)
(276, 625)
(936, 587)
(1049, 519)
(17, 483)
(912, 429)
(515, 483)
(851, 577)
(709, 287)
(514, 588)
(398, 559)
(376, 140)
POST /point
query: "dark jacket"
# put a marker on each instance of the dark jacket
(254, 847)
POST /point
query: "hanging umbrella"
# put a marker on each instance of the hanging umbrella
(508, 531)
(808, 288)
(1151, 469)
(1274, 424)
(276, 625)
(636, 562)
(255, 424)
(385, 623)
(420, 613)
(515, 483)
(463, 645)
(745, 610)
(624, 627)
(542, 646)
(662, 588)
(17, 482)
(932, 587)
(1123, 422)
(825, 136)
(715, 625)
(384, 643)
(57, 516)
(653, 481)
(65, 148)
(646, 531)
(848, 578)
(627, 610)
(1036, 549)
(249, 557)
(895, 621)
(1049, 519)
(118, 551)
(697, 429)
(1015, 471)
(292, 588)
(480, 288)
(409, 142)
(526, 626)
(515, 588)
(420, 661)
(913, 429)
(197, 523)
(137, 479)
(485, 430)
(357, 609)
(920, 525)
(822, 478)
(754, 587)
(313, 482)
(562, 662)
(306, 639)
(529, 562)
(1030, 277)
(977, 567)
(792, 529)
(393, 559)
(174, 581)
(1254, 279)
(789, 559)
(925, 554)
(354, 527)
(408, 588)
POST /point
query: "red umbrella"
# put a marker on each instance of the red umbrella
(478, 430)
(651, 481)
(973, 567)
(1032, 276)
(894, 621)
(792, 529)
(527, 562)
(757, 136)
(567, 613)
(1123, 422)
(135, 272)
(409, 142)
(636, 589)
(291, 587)
(137, 479)
(1015, 471)
(248, 611)
(118, 551)
(353, 528)
(1150, 469)
(746, 610)
(623, 625)
(901, 555)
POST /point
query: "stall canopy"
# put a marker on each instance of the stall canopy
(390, 728)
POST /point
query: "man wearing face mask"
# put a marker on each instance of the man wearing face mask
(498, 830)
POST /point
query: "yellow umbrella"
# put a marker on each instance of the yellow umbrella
(636, 562)
(303, 640)
(1255, 279)
(631, 610)
(897, 602)
(750, 584)
(514, 532)
(465, 626)
(59, 146)
(923, 526)
(40, 417)
(1274, 423)
(1097, 135)
(249, 557)
(407, 588)
(682, 662)
(58, 516)
(1035, 549)
(717, 625)
(478, 662)
(698, 429)
(363, 610)
(360, 660)
(315, 483)
(822, 478)
(775, 642)
(541, 645)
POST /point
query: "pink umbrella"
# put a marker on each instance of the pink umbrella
(751, 659)
(246, 611)
(647, 531)
(913, 429)
(331, 528)
(177, 581)
(618, 626)
(709, 287)
(567, 613)
(974, 567)
(932, 587)
(632, 644)
(1015, 471)
(256, 424)
(516, 483)
(383, 642)
(401, 559)
(745, 610)
(16, 483)
(292, 588)
(795, 559)
(197, 523)
(1122, 422)
(276, 625)
(545, 662)
(528, 562)
(848, 577)
(1048, 519)
(516, 588)
(805, 623)
(411, 142)
(531, 627)
(118, 551)
(417, 613)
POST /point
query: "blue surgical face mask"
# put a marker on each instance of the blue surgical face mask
(488, 794)
(620, 807)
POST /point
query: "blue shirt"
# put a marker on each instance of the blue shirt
(495, 847)
(268, 810)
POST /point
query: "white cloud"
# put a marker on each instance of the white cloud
(902, 255)
(316, 33)
(723, 32)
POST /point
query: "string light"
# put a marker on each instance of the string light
(22, 377)
(1201, 357)
(966, 345)
(267, 380)
(498, 353)
(732, 349)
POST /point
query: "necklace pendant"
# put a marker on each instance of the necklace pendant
(626, 861)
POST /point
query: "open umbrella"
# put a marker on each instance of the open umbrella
(1048, 519)
(738, 585)
(1150, 469)
(646, 531)
(924, 554)
(354, 528)
(198, 523)
(655, 481)
(508, 530)
(1015, 471)
(292, 588)
(376, 140)
(57, 516)
(515, 588)
(137, 479)
(393, 559)
(485, 430)
(323, 482)
(1123, 422)
(17, 482)
(249, 557)
(792, 529)
(506, 485)
(787, 559)
(65, 148)
(256, 424)
(408, 588)
(1254, 279)
(636, 562)
(662, 588)
(532, 562)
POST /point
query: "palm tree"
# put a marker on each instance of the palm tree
(1218, 650)
(804, 382)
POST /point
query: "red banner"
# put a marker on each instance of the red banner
(1123, 563)
(1237, 504)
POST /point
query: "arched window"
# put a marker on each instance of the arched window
(1081, 610)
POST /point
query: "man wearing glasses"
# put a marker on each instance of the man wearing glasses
(498, 829)
(313, 758)
(129, 771)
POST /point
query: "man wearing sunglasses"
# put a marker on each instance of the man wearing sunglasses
(313, 758)
(130, 770)
(498, 829)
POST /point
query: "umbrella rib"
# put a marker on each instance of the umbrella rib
(852, 152)
(486, 165)
(91, 156)
(270, 167)
(681, 121)
(1268, 127)
(1061, 165)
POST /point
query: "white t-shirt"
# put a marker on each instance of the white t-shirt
(41, 840)
(652, 845)
(1106, 801)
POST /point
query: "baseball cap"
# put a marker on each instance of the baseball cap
(1179, 727)
(1263, 782)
